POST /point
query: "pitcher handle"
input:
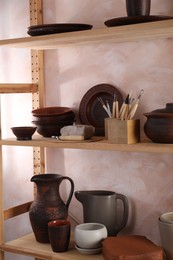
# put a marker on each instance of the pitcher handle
(126, 210)
(71, 190)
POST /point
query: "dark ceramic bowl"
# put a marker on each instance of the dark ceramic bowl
(50, 129)
(55, 118)
(51, 111)
(23, 132)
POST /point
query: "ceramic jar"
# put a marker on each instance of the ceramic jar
(159, 124)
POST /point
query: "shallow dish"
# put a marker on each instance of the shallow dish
(89, 251)
(23, 132)
(91, 111)
(135, 19)
(51, 111)
(57, 28)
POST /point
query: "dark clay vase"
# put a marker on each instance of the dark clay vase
(159, 125)
(138, 7)
(48, 204)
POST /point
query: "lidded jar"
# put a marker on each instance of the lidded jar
(159, 125)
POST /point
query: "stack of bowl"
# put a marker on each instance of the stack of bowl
(49, 120)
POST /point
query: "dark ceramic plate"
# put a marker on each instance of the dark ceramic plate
(91, 111)
(135, 19)
(56, 28)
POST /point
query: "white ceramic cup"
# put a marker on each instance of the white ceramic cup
(167, 217)
(90, 235)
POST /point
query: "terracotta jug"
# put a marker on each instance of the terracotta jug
(102, 207)
(48, 204)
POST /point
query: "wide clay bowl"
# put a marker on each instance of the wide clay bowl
(159, 125)
(51, 111)
(55, 118)
(50, 129)
(23, 132)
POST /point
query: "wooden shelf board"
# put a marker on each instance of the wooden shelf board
(27, 245)
(126, 33)
(12, 88)
(97, 144)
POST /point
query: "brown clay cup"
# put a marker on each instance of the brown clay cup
(59, 235)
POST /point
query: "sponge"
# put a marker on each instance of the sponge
(86, 131)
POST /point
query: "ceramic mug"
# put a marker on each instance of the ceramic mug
(59, 235)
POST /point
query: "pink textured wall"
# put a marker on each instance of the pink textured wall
(146, 179)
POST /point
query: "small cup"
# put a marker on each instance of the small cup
(90, 235)
(59, 235)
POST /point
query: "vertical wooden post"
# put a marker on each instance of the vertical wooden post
(1, 195)
(38, 98)
(37, 77)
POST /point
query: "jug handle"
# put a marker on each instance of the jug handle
(71, 190)
(126, 210)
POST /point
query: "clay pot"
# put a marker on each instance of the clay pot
(138, 7)
(159, 125)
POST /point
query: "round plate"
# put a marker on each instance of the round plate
(135, 19)
(57, 28)
(93, 251)
(91, 111)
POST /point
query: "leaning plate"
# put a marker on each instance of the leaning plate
(135, 19)
(57, 28)
(91, 111)
(89, 251)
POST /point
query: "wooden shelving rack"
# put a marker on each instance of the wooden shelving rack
(155, 30)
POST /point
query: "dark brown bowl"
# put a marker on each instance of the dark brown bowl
(55, 118)
(50, 129)
(23, 132)
(51, 111)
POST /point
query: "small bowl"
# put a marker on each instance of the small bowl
(23, 132)
(90, 235)
(167, 217)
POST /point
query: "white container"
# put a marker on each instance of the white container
(166, 233)
(90, 235)
(167, 217)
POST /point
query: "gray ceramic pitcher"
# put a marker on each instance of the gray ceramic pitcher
(101, 206)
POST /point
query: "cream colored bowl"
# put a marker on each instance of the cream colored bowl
(167, 217)
(90, 235)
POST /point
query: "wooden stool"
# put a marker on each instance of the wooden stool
(131, 248)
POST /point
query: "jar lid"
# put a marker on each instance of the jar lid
(166, 112)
